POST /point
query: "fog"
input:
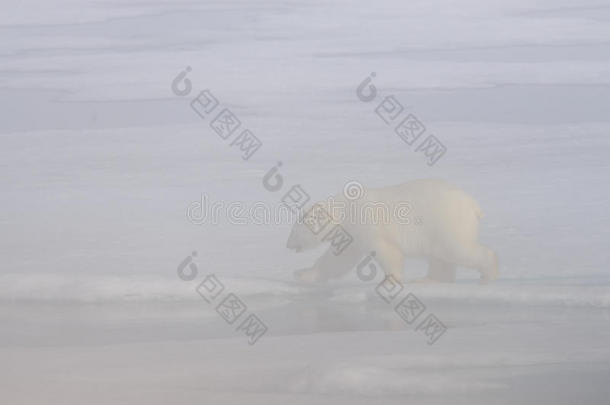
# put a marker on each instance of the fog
(144, 143)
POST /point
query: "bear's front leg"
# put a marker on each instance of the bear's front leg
(391, 259)
(308, 275)
(329, 266)
(439, 271)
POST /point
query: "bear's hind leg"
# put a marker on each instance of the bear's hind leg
(439, 271)
(482, 259)
(489, 264)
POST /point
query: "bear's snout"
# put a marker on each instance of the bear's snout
(294, 246)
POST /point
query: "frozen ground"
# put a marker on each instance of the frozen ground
(100, 160)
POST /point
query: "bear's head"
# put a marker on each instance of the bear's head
(308, 232)
(301, 238)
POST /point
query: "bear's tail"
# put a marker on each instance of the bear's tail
(478, 212)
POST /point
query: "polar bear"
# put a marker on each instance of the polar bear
(429, 219)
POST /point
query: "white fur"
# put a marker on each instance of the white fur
(442, 227)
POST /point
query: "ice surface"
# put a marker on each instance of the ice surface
(100, 161)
